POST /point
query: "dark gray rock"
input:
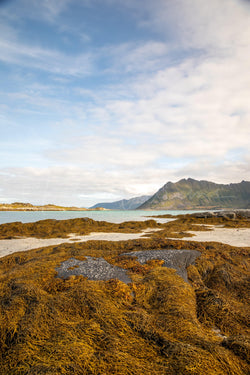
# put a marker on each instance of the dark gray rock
(203, 215)
(243, 213)
(93, 269)
(176, 259)
(100, 269)
(227, 214)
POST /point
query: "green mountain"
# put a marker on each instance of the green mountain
(193, 194)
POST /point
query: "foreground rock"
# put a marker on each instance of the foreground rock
(176, 259)
(93, 269)
(100, 269)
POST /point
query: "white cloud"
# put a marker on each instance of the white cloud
(136, 57)
(200, 24)
(193, 110)
(85, 187)
(65, 185)
(104, 153)
(174, 113)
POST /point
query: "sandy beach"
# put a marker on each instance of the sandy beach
(231, 236)
(22, 244)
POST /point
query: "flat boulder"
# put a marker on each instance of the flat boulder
(176, 259)
(92, 268)
(100, 269)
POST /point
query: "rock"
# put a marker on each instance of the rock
(232, 214)
(100, 269)
(93, 269)
(176, 259)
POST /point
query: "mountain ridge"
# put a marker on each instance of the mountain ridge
(123, 204)
(194, 194)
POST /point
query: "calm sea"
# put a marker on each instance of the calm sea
(110, 216)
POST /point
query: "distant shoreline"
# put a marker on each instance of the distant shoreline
(48, 207)
(51, 209)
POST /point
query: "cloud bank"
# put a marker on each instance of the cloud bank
(112, 118)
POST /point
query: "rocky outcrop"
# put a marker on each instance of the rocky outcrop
(232, 214)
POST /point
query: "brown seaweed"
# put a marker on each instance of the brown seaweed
(157, 324)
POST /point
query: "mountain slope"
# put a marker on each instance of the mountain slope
(193, 194)
(124, 204)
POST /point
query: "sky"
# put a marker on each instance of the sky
(108, 99)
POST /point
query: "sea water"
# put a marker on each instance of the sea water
(112, 216)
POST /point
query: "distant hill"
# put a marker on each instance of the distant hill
(19, 206)
(124, 204)
(193, 194)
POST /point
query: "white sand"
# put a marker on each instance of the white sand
(231, 236)
(28, 243)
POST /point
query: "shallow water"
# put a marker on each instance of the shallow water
(112, 216)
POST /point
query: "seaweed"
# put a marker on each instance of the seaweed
(157, 324)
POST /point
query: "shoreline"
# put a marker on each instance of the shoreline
(239, 237)
(10, 246)
(51, 209)
(38, 234)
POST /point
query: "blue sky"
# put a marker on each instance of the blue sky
(103, 100)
